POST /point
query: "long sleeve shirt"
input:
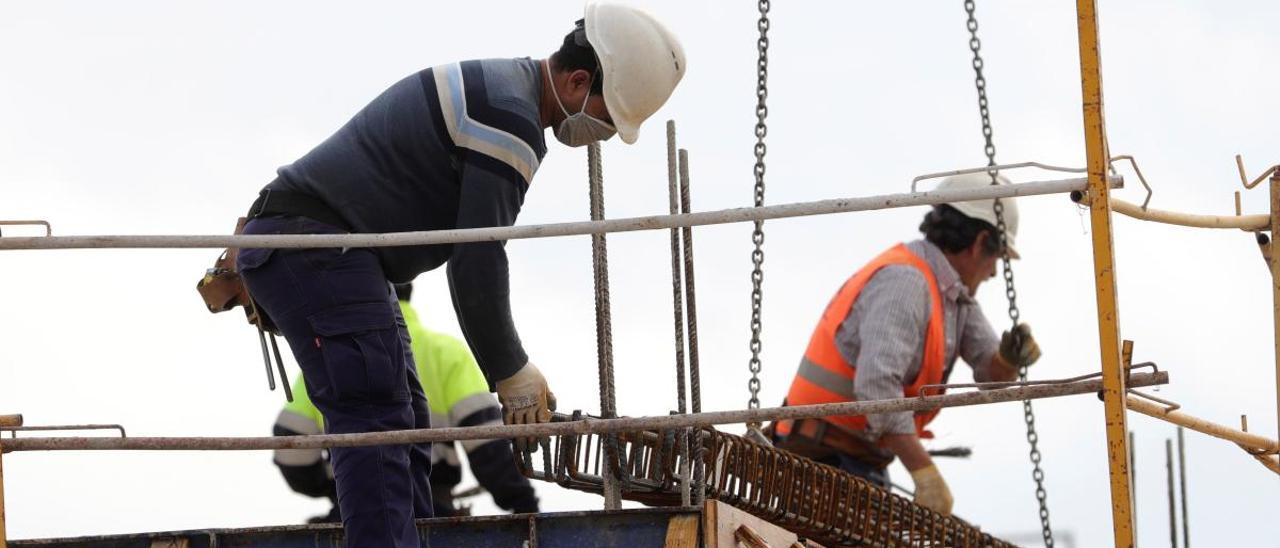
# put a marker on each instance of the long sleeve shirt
(884, 333)
(453, 146)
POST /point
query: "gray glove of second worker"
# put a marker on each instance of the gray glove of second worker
(931, 490)
(1018, 348)
(525, 398)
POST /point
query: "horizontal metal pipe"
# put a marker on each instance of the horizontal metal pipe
(1243, 222)
(1252, 441)
(628, 224)
(579, 427)
(1271, 462)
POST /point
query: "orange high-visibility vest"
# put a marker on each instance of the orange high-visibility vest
(828, 378)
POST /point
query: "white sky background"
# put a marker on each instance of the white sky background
(162, 118)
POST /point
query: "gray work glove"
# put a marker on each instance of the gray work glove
(525, 398)
(1018, 348)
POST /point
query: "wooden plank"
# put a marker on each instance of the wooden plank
(682, 532)
(721, 523)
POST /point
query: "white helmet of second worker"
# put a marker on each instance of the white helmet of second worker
(984, 210)
(641, 62)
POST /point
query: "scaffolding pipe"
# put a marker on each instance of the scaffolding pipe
(1242, 222)
(578, 427)
(1104, 267)
(491, 234)
(1271, 462)
(1274, 263)
(1247, 439)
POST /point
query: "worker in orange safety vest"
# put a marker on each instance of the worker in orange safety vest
(897, 325)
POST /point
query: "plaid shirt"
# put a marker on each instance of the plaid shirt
(884, 333)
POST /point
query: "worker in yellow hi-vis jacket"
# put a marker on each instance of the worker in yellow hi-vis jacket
(458, 396)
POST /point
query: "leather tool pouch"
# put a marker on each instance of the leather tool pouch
(222, 288)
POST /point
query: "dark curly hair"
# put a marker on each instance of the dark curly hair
(953, 231)
(576, 53)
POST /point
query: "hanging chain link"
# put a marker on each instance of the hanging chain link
(1033, 439)
(757, 235)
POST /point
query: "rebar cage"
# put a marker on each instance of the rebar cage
(817, 501)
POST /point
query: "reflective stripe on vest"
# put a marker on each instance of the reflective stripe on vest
(825, 377)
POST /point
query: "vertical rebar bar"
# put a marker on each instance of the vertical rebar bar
(1173, 506)
(604, 329)
(1133, 478)
(691, 300)
(677, 298)
(4, 536)
(691, 319)
(1182, 479)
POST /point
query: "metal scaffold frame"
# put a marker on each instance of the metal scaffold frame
(1114, 383)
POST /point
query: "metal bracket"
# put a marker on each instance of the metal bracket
(13, 430)
(1012, 384)
(1244, 178)
(48, 229)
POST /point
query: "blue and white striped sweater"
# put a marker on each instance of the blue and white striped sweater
(453, 146)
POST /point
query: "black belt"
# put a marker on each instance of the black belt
(283, 202)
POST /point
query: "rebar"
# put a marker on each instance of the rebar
(503, 233)
(574, 427)
(815, 500)
(677, 299)
(691, 323)
(1182, 480)
(4, 536)
(604, 327)
(1173, 506)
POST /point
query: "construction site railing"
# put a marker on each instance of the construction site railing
(628, 224)
(1036, 390)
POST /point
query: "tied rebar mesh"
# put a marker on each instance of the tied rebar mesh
(817, 501)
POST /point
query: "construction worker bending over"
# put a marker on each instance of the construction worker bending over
(458, 396)
(899, 324)
(451, 147)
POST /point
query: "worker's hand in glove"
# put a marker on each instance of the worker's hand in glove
(1018, 348)
(525, 398)
(931, 490)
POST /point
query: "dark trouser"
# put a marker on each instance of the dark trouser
(343, 323)
(869, 472)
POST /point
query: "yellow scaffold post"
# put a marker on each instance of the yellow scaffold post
(1097, 156)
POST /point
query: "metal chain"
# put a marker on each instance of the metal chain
(1033, 439)
(757, 235)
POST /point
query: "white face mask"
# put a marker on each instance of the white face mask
(579, 128)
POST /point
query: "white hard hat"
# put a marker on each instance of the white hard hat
(984, 210)
(640, 60)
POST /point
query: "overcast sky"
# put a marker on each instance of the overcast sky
(130, 117)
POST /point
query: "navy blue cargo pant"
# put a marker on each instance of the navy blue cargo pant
(343, 323)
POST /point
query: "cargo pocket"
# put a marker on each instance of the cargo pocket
(362, 353)
(253, 257)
